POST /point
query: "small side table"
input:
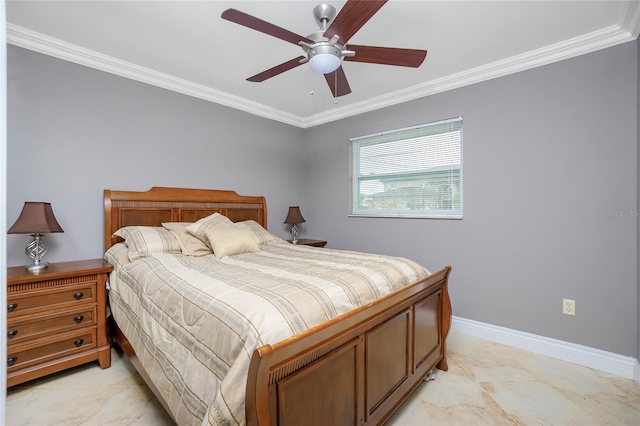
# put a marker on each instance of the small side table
(56, 318)
(312, 243)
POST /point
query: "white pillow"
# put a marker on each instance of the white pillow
(230, 241)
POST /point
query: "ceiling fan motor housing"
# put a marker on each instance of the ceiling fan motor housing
(324, 55)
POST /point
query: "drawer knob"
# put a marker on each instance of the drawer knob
(12, 307)
(78, 342)
(11, 360)
(78, 319)
(12, 333)
(78, 295)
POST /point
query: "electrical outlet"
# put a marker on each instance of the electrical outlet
(568, 307)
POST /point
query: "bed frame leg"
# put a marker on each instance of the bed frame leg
(430, 376)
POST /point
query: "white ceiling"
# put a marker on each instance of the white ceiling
(185, 46)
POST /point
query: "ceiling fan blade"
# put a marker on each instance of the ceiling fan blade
(387, 55)
(353, 15)
(278, 69)
(338, 83)
(254, 23)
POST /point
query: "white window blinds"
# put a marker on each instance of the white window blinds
(411, 172)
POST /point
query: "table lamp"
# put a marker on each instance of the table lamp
(294, 218)
(37, 219)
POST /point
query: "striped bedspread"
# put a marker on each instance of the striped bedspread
(194, 322)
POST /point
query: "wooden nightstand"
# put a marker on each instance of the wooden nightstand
(313, 243)
(56, 318)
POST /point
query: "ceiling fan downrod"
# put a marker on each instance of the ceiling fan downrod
(324, 14)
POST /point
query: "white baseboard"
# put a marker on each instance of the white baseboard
(619, 365)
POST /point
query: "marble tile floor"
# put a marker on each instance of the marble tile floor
(487, 384)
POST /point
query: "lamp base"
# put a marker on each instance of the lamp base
(36, 249)
(294, 234)
(36, 266)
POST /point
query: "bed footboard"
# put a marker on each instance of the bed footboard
(356, 369)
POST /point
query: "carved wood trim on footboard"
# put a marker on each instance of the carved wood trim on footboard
(356, 369)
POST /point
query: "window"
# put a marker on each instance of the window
(412, 172)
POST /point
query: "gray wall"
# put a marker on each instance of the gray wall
(547, 153)
(74, 131)
(550, 161)
(638, 207)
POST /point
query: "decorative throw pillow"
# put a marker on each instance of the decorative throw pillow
(199, 228)
(260, 235)
(142, 241)
(229, 241)
(191, 245)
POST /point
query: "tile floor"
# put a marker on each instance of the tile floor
(487, 384)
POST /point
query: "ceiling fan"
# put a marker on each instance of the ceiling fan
(325, 49)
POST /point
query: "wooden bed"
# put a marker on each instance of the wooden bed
(355, 369)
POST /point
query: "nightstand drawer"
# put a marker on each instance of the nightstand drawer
(54, 298)
(24, 356)
(44, 325)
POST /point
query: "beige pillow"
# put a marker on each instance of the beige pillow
(199, 228)
(143, 241)
(230, 241)
(191, 245)
(260, 235)
(117, 255)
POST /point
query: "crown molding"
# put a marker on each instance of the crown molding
(630, 18)
(587, 43)
(22, 37)
(628, 30)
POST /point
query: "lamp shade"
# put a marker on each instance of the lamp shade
(294, 216)
(36, 218)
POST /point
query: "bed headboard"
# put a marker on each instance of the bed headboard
(159, 204)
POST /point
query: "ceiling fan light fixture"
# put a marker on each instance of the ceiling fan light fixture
(325, 59)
